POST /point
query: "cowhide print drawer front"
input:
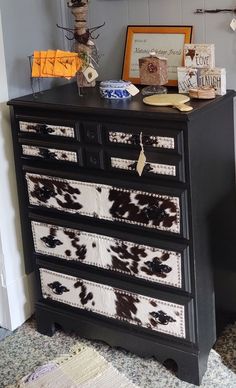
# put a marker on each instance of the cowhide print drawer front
(134, 139)
(156, 139)
(41, 128)
(156, 166)
(154, 314)
(151, 210)
(145, 262)
(49, 153)
(150, 168)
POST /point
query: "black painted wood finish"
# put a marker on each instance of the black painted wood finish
(199, 146)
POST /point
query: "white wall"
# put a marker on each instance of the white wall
(207, 28)
(15, 286)
(25, 26)
(29, 25)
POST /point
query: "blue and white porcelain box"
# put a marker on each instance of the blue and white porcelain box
(115, 90)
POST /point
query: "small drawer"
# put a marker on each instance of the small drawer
(49, 153)
(150, 313)
(152, 264)
(157, 164)
(45, 129)
(92, 133)
(158, 211)
(148, 140)
(164, 140)
(149, 169)
(94, 158)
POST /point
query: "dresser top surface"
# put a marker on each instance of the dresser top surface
(66, 98)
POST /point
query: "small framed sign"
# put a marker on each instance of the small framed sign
(165, 41)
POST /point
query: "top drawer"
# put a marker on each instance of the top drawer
(166, 140)
(46, 128)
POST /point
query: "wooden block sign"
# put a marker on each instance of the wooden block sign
(199, 55)
(187, 79)
(213, 77)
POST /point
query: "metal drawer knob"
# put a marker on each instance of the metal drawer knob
(46, 154)
(43, 129)
(91, 134)
(162, 318)
(147, 167)
(154, 212)
(44, 193)
(50, 241)
(58, 288)
(157, 267)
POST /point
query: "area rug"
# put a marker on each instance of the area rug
(26, 349)
(83, 367)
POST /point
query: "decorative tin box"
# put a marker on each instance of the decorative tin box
(213, 77)
(115, 89)
(187, 79)
(199, 55)
(153, 70)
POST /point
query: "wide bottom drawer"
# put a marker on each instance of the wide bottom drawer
(151, 313)
(167, 265)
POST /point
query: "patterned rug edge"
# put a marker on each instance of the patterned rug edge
(65, 369)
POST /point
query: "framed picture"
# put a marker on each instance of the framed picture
(166, 41)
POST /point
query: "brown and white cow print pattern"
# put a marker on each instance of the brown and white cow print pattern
(49, 153)
(134, 139)
(154, 314)
(105, 202)
(46, 129)
(150, 168)
(149, 263)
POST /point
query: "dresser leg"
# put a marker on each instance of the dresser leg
(44, 324)
(192, 370)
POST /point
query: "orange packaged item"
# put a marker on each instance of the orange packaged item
(43, 56)
(60, 69)
(36, 67)
(49, 63)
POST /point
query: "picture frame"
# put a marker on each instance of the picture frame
(166, 41)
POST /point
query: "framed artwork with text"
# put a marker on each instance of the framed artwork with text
(166, 41)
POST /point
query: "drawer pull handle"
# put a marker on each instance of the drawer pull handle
(58, 288)
(50, 241)
(158, 268)
(93, 160)
(154, 212)
(161, 317)
(150, 141)
(147, 140)
(44, 193)
(41, 129)
(147, 167)
(46, 154)
(91, 135)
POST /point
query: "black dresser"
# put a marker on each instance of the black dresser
(119, 257)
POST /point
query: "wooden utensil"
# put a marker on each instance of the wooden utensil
(174, 100)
